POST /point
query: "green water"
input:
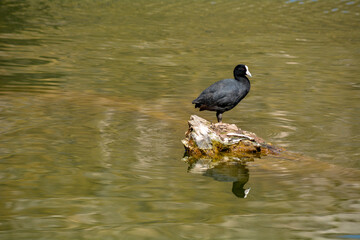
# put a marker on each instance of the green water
(95, 98)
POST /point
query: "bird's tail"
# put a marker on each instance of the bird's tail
(197, 104)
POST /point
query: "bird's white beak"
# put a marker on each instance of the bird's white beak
(248, 72)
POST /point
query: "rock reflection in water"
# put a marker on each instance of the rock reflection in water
(235, 172)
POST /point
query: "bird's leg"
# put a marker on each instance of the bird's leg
(219, 117)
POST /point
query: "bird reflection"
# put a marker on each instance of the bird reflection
(239, 190)
(234, 172)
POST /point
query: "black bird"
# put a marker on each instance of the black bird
(225, 94)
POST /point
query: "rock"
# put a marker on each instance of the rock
(222, 141)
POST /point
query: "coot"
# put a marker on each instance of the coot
(225, 94)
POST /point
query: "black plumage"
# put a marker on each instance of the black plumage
(224, 95)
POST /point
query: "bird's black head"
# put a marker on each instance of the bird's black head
(241, 70)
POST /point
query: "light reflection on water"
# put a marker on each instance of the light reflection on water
(109, 186)
(95, 99)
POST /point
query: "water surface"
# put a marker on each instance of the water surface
(94, 100)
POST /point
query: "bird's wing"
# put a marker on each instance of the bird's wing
(217, 94)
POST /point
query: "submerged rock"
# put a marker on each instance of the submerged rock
(222, 141)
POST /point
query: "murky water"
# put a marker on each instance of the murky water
(94, 99)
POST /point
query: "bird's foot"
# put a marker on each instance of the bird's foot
(219, 123)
